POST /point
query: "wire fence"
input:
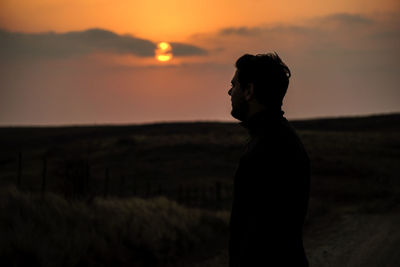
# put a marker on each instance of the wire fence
(77, 182)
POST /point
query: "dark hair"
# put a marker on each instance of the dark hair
(269, 75)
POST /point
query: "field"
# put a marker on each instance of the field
(160, 194)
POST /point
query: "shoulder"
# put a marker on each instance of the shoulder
(278, 142)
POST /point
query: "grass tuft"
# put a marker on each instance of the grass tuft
(53, 231)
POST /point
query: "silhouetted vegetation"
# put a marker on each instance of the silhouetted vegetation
(109, 194)
(53, 231)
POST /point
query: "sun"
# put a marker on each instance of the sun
(164, 58)
(164, 46)
(163, 52)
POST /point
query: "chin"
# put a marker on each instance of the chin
(240, 110)
(237, 115)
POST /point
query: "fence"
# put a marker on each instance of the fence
(78, 183)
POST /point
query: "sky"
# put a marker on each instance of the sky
(96, 61)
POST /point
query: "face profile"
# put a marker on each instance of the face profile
(238, 100)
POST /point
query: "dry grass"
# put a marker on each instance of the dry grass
(52, 231)
(354, 175)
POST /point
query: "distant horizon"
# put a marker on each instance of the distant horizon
(110, 124)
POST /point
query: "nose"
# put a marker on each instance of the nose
(230, 92)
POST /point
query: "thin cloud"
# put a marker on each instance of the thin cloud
(347, 19)
(240, 31)
(60, 45)
(180, 49)
(350, 35)
(335, 20)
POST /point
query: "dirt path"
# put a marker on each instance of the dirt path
(365, 240)
(370, 240)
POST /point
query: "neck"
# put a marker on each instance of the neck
(254, 108)
(261, 109)
(262, 119)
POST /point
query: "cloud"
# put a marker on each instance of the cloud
(338, 20)
(347, 19)
(240, 31)
(180, 49)
(60, 45)
(332, 34)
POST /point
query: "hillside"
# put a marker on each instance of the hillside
(354, 191)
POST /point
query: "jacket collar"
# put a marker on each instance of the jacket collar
(262, 121)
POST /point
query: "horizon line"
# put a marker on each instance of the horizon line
(161, 122)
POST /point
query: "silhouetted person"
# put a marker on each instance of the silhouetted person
(271, 184)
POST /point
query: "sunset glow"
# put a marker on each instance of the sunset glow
(132, 61)
(175, 20)
(164, 58)
(163, 52)
(164, 46)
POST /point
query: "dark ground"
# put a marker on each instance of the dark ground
(355, 192)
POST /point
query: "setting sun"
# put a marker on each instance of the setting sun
(163, 52)
(164, 46)
(164, 57)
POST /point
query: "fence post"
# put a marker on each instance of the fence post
(44, 171)
(148, 189)
(106, 183)
(121, 184)
(134, 189)
(218, 197)
(195, 196)
(203, 196)
(188, 195)
(87, 177)
(180, 194)
(19, 171)
(160, 190)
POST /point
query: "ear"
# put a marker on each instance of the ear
(249, 92)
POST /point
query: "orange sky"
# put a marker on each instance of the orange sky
(170, 20)
(343, 55)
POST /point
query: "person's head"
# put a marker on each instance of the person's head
(260, 82)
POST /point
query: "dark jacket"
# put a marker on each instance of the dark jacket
(271, 191)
